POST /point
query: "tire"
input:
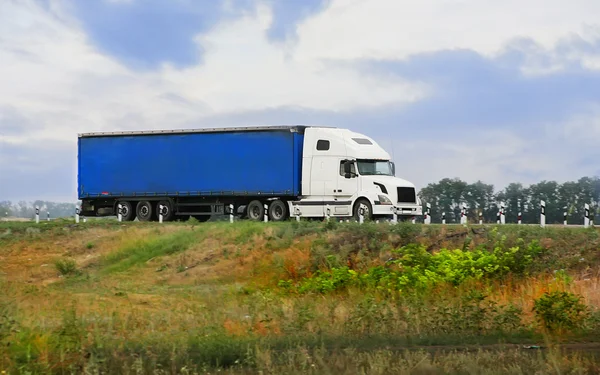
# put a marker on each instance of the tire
(145, 211)
(167, 209)
(362, 202)
(127, 211)
(255, 211)
(278, 210)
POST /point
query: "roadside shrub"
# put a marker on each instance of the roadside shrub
(66, 267)
(560, 311)
(414, 268)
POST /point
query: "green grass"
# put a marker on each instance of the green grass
(144, 250)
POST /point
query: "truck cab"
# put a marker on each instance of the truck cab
(344, 172)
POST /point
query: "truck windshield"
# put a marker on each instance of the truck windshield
(375, 167)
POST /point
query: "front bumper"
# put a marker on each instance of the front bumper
(405, 209)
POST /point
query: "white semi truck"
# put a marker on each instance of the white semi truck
(308, 171)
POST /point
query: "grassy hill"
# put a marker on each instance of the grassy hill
(309, 297)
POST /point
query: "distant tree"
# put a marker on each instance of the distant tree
(448, 195)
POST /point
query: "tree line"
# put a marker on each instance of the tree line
(449, 194)
(24, 209)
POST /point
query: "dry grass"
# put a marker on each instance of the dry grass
(221, 286)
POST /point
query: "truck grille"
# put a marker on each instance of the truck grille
(406, 195)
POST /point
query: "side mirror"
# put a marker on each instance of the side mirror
(347, 168)
(393, 169)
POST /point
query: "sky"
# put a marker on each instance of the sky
(473, 89)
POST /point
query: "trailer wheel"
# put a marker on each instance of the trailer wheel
(127, 211)
(167, 210)
(278, 210)
(255, 210)
(145, 211)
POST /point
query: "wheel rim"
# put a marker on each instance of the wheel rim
(254, 212)
(277, 211)
(365, 208)
(124, 210)
(165, 209)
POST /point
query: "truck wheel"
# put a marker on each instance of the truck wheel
(278, 210)
(145, 211)
(127, 211)
(167, 210)
(366, 205)
(255, 210)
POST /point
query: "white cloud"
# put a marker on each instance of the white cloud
(498, 157)
(56, 83)
(396, 29)
(52, 72)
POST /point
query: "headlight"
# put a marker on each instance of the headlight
(384, 199)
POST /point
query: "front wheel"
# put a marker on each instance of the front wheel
(365, 205)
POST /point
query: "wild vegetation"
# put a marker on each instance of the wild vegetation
(308, 297)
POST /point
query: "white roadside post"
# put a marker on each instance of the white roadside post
(519, 218)
(543, 214)
(428, 214)
(297, 211)
(85, 219)
(160, 213)
(444, 218)
(77, 215)
(498, 217)
(37, 215)
(502, 214)
(464, 214)
(231, 214)
(361, 215)
(565, 217)
(586, 216)
(266, 218)
(593, 210)
(120, 212)
(481, 217)
(394, 215)
(328, 213)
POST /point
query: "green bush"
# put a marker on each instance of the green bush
(414, 268)
(560, 311)
(66, 267)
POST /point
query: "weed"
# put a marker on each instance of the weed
(66, 267)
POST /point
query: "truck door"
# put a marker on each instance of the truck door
(346, 188)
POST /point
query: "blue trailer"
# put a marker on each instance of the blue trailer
(189, 172)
